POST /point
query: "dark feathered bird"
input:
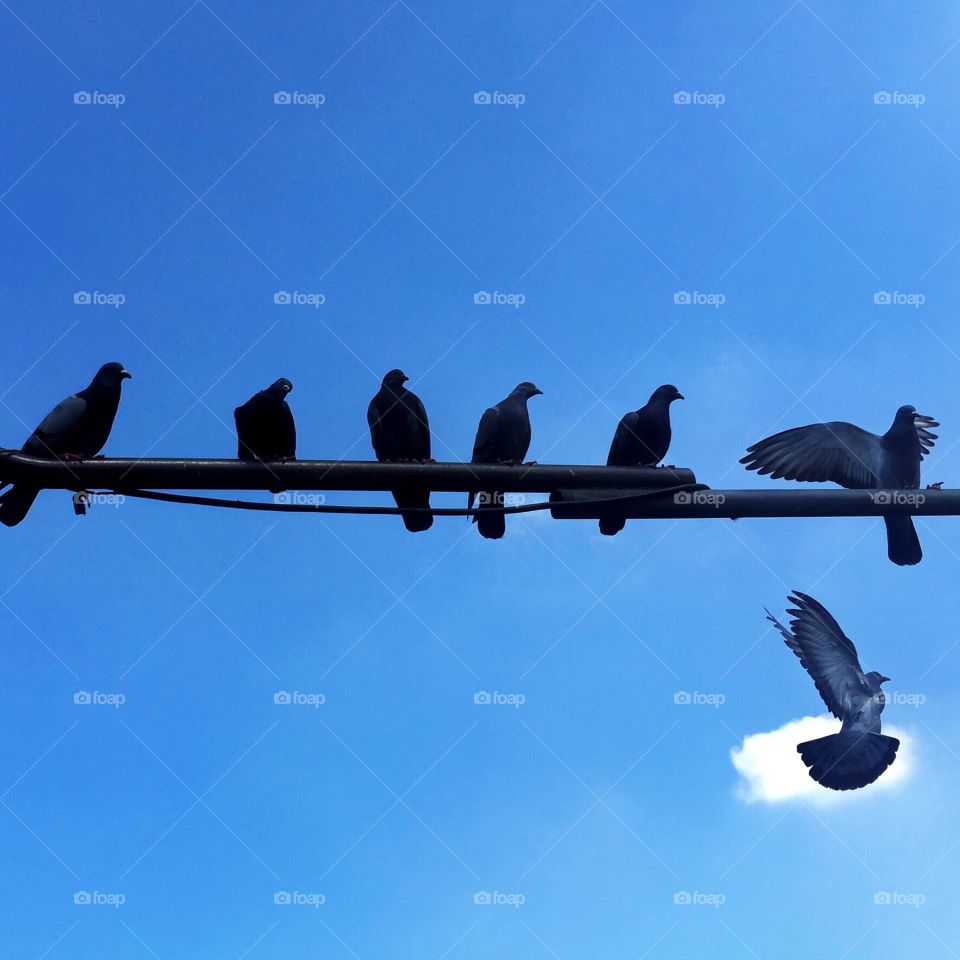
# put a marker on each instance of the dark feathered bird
(74, 429)
(399, 430)
(642, 439)
(502, 437)
(859, 753)
(265, 426)
(855, 459)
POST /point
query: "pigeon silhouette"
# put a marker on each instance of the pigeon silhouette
(642, 439)
(76, 428)
(265, 426)
(502, 437)
(399, 430)
(859, 753)
(858, 460)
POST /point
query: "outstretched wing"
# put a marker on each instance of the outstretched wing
(836, 451)
(926, 438)
(826, 654)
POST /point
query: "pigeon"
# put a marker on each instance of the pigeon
(76, 428)
(265, 427)
(641, 440)
(502, 437)
(858, 460)
(859, 753)
(399, 430)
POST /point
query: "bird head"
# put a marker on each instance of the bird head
(666, 394)
(395, 379)
(112, 373)
(876, 679)
(527, 390)
(281, 387)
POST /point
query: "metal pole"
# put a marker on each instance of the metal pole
(183, 474)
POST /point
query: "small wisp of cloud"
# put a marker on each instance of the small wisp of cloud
(771, 770)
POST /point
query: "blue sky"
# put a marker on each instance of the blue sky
(782, 193)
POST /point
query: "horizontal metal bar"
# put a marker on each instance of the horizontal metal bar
(733, 504)
(184, 474)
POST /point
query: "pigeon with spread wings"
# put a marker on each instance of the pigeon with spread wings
(859, 753)
(857, 459)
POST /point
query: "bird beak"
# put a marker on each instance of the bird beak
(679, 396)
(126, 375)
(538, 392)
(884, 679)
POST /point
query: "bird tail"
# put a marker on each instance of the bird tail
(612, 525)
(414, 521)
(16, 503)
(903, 544)
(846, 761)
(492, 525)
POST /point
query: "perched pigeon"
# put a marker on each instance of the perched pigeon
(76, 428)
(399, 430)
(265, 427)
(641, 440)
(502, 437)
(859, 753)
(857, 460)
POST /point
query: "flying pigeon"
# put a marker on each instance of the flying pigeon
(265, 427)
(858, 460)
(399, 430)
(76, 428)
(859, 753)
(642, 439)
(502, 437)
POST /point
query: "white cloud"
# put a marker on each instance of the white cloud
(771, 770)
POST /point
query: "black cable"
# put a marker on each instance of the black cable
(389, 511)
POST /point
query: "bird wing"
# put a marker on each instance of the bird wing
(835, 451)
(926, 438)
(826, 654)
(623, 443)
(485, 445)
(376, 428)
(289, 430)
(420, 427)
(54, 430)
